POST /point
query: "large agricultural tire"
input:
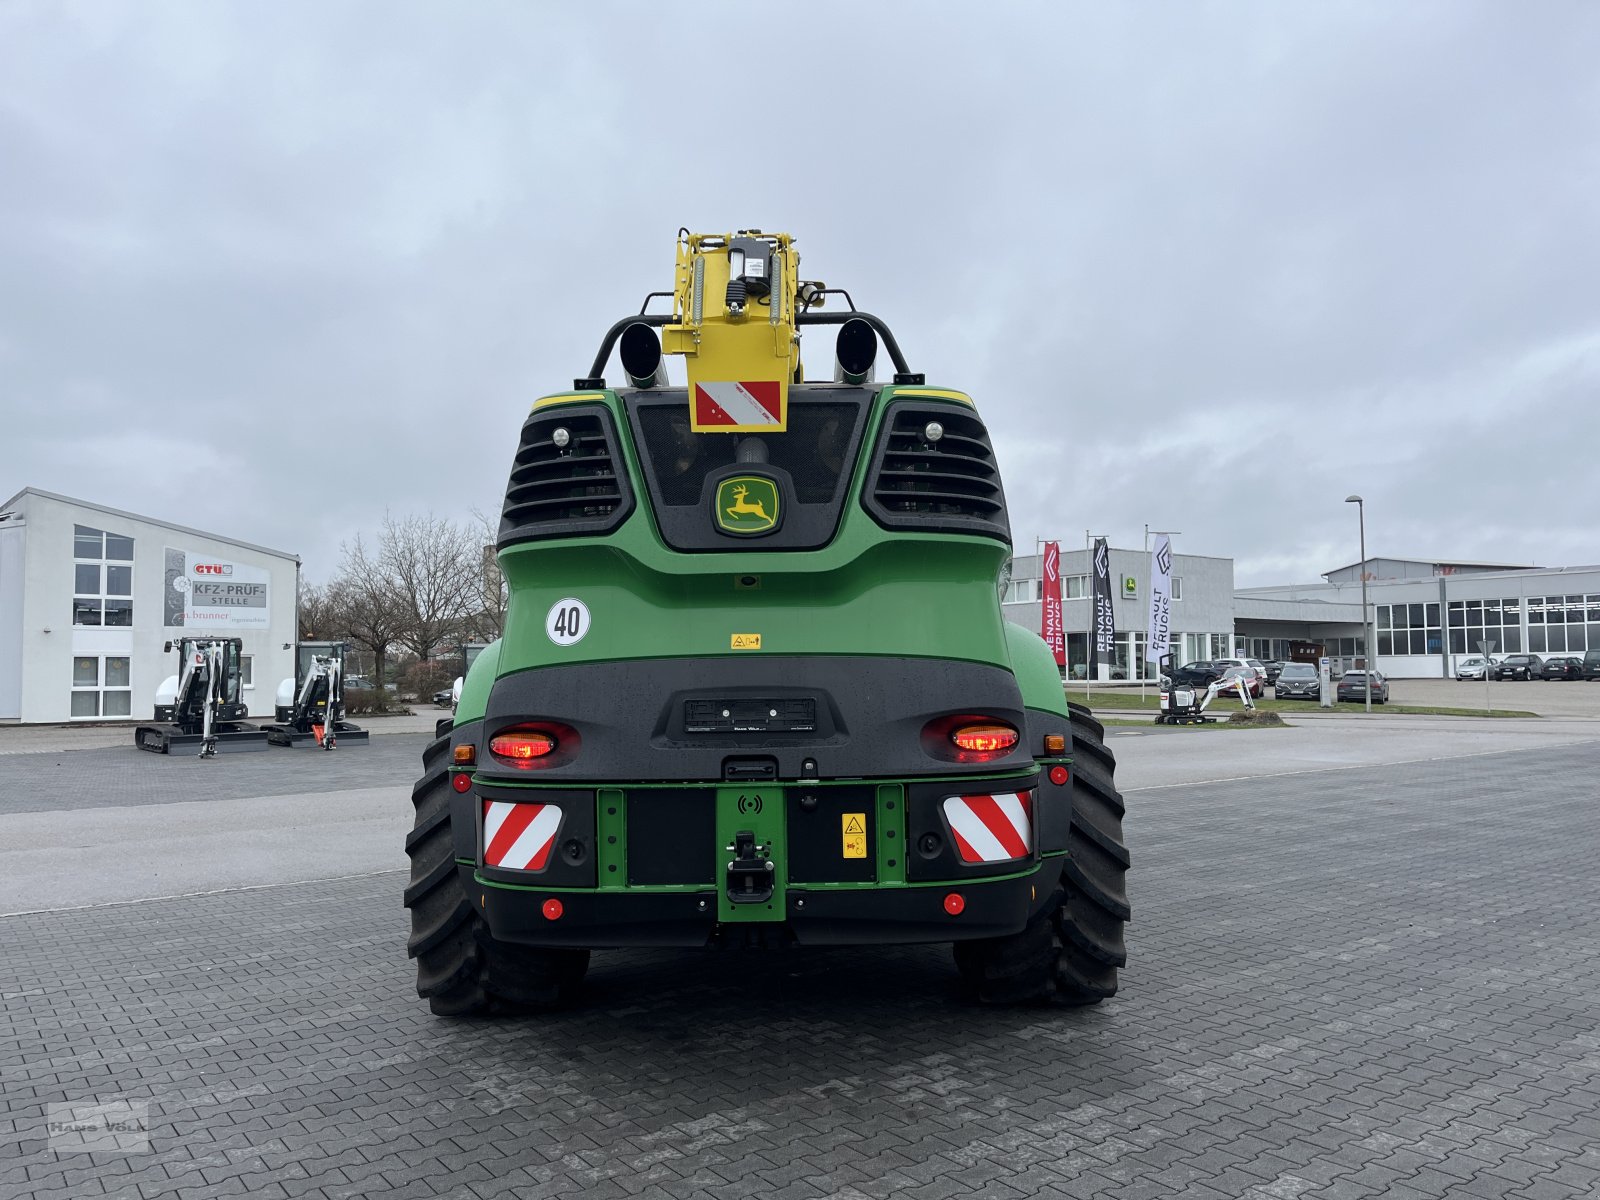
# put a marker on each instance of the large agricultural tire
(461, 970)
(1070, 951)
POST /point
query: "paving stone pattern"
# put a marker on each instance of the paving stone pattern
(1366, 983)
(125, 775)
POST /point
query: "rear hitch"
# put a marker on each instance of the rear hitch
(750, 874)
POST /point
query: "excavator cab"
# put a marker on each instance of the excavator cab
(201, 710)
(310, 707)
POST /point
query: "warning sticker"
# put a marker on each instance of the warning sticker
(855, 834)
(745, 641)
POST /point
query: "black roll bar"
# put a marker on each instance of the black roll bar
(596, 376)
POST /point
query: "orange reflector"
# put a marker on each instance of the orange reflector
(462, 783)
(987, 739)
(521, 745)
(954, 904)
(1058, 775)
(552, 909)
(465, 755)
(1055, 743)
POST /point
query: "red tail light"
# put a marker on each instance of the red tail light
(984, 739)
(522, 747)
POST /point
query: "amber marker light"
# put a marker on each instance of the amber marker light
(465, 755)
(1055, 743)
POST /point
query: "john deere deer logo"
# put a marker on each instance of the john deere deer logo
(746, 505)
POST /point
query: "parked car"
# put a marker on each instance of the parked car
(1297, 681)
(1274, 668)
(1591, 664)
(1202, 667)
(445, 698)
(1517, 666)
(1255, 682)
(357, 683)
(1355, 683)
(1472, 666)
(1562, 668)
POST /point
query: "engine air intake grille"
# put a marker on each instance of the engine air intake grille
(570, 490)
(944, 485)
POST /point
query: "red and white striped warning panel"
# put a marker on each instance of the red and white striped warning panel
(518, 837)
(753, 404)
(994, 828)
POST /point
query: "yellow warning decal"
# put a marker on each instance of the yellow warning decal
(855, 834)
(745, 641)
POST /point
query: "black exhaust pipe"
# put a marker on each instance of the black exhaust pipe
(855, 352)
(641, 357)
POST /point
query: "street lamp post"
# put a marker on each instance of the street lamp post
(1366, 629)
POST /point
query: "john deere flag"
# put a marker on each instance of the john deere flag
(1159, 640)
(1052, 632)
(1103, 631)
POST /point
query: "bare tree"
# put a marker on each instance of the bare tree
(369, 609)
(320, 619)
(431, 565)
(487, 619)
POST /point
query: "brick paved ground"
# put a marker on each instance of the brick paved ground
(1371, 982)
(118, 776)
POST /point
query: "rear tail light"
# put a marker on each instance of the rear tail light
(984, 739)
(969, 737)
(525, 746)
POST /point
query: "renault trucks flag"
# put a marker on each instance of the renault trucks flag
(1105, 623)
(1159, 640)
(1052, 632)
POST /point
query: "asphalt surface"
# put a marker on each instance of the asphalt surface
(1362, 964)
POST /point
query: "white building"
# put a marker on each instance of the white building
(89, 595)
(1426, 615)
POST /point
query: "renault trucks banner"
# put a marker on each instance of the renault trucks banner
(1052, 632)
(1159, 640)
(203, 591)
(1105, 623)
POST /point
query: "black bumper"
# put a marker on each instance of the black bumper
(814, 917)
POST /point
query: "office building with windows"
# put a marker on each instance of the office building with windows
(1202, 607)
(1426, 615)
(89, 596)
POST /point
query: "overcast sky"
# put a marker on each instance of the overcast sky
(269, 269)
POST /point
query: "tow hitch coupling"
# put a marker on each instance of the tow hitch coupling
(750, 873)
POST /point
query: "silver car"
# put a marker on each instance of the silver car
(1471, 667)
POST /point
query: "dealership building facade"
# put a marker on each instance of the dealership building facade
(1426, 614)
(90, 595)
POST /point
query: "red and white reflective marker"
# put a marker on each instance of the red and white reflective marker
(955, 904)
(733, 405)
(994, 828)
(552, 909)
(1059, 775)
(518, 837)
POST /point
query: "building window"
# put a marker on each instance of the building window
(1409, 629)
(1077, 586)
(1177, 587)
(247, 670)
(100, 687)
(1475, 623)
(102, 578)
(1563, 624)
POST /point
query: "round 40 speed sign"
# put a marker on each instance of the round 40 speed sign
(567, 621)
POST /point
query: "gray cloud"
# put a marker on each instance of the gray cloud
(1210, 267)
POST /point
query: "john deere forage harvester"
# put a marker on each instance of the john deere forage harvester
(754, 685)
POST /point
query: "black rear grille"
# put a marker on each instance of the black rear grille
(562, 491)
(948, 485)
(812, 460)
